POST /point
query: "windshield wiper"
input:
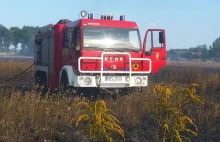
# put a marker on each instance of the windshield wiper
(128, 49)
(113, 49)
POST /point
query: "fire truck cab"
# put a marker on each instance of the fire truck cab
(97, 51)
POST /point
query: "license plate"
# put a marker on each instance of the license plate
(113, 78)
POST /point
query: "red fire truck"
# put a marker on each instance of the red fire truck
(98, 50)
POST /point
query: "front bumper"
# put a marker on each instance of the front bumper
(111, 81)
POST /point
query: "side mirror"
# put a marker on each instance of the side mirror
(161, 37)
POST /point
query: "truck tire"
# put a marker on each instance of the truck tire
(64, 82)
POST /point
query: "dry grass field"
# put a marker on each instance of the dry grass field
(181, 103)
(206, 64)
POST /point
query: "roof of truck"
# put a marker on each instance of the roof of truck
(104, 20)
(103, 23)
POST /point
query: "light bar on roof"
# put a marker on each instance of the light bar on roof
(104, 16)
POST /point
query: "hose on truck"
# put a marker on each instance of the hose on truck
(18, 74)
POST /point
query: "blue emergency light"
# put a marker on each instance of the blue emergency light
(126, 69)
(90, 16)
(122, 17)
(105, 69)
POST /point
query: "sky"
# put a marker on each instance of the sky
(188, 23)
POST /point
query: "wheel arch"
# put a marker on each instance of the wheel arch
(71, 76)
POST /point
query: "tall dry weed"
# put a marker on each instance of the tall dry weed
(98, 122)
(33, 118)
(167, 110)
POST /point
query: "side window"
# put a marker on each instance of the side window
(75, 37)
(156, 40)
(68, 36)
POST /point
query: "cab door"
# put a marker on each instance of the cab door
(154, 48)
(70, 53)
(74, 47)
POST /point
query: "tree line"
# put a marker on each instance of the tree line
(200, 52)
(24, 37)
(15, 36)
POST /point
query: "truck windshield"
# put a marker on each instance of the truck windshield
(111, 38)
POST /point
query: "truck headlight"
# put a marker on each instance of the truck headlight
(138, 81)
(88, 81)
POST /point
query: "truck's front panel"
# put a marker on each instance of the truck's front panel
(126, 76)
(112, 55)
